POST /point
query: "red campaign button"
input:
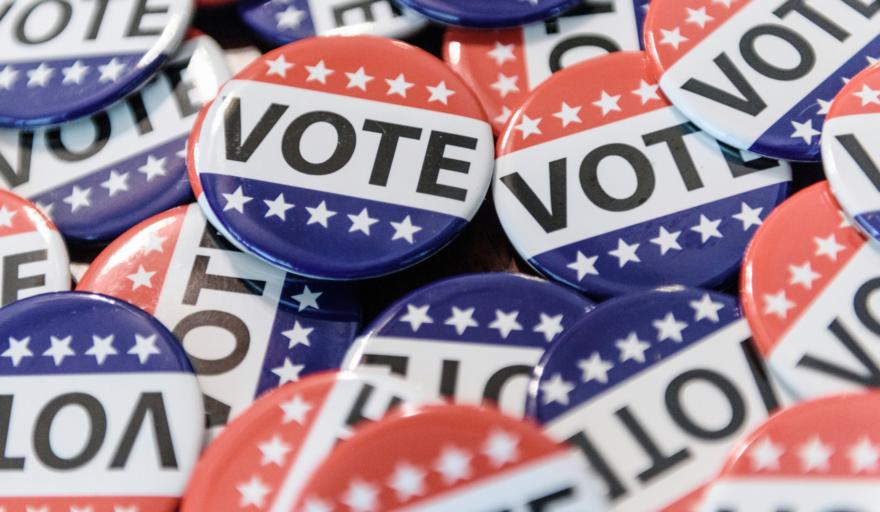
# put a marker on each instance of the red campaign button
(817, 455)
(807, 285)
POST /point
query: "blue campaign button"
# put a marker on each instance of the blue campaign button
(64, 60)
(489, 14)
(471, 338)
(284, 22)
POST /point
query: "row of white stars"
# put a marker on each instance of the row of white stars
(631, 348)
(815, 455)
(360, 223)
(462, 318)
(73, 74)
(665, 240)
(700, 17)
(359, 79)
(101, 349)
(807, 131)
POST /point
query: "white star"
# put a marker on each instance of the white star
(318, 72)
(505, 323)
(777, 304)
(404, 230)
(236, 200)
(39, 76)
(454, 465)
(503, 116)
(608, 103)
(505, 84)
(111, 71)
(672, 37)
(101, 348)
(154, 167)
(295, 409)
(18, 350)
(358, 79)
(528, 126)
(319, 214)
(78, 198)
(864, 456)
(828, 246)
(584, 265)
(8, 77)
(274, 451)
(6, 216)
(278, 66)
(141, 278)
(698, 17)
(502, 53)
(803, 275)
(299, 335)
(625, 253)
(556, 390)
(748, 216)
(408, 481)
(501, 448)
(277, 207)
(153, 243)
(361, 222)
(805, 131)
(307, 299)
(568, 114)
(398, 86)
(669, 328)
(287, 372)
(144, 347)
(595, 368)
(814, 455)
(361, 496)
(74, 73)
(706, 308)
(667, 241)
(549, 326)
(765, 455)
(647, 92)
(60, 349)
(440, 93)
(632, 347)
(461, 319)
(253, 492)
(868, 95)
(289, 18)
(707, 228)
(416, 316)
(116, 182)
(824, 107)
(316, 505)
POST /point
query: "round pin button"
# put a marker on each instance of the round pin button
(655, 387)
(100, 409)
(497, 14)
(62, 59)
(760, 74)
(471, 339)
(817, 455)
(342, 157)
(97, 177)
(807, 290)
(850, 152)
(283, 22)
(246, 326)
(451, 457)
(503, 66)
(600, 183)
(282, 438)
(34, 257)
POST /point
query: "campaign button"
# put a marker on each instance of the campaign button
(653, 389)
(99, 407)
(246, 326)
(342, 157)
(97, 177)
(283, 22)
(821, 455)
(33, 256)
(496, 14)
(451, 457)
(65, 59)
(470, 339)
(279, 441)
(503, 66)
(807, 289)
(851, 150)
(760, 74)
(600, 183)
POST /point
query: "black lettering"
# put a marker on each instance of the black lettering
(235, 149)
(495, 384)
(22, 174)
(97, 19)
(749, 102)
(43, 427)
(722, 384)
(548, 501)
(154, 404)
(181, 88)
(673, 137)
(868, 10)
(858, 153)
(737, 164)
(660, 463)
(556, 217)
(390, 134)
(6, 462)
(137, 17)
(815, 17)
(356, 414)
(570, 43)
(216, 412)
(448, 378)
(12, 280)
(871, 379)
(807, 57)
(397, 365)
(641, 166)
(860, 304)
(223, 320)
(598, 464)
(291, 143)
(200, 279)
(759, 375)
(435, 161)
(364, 6)
(61, 19)
(139, 113)
(100, 121)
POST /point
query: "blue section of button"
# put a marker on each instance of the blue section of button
(489, 13)
(277, 22)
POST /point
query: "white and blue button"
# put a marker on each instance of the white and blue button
(491, 14)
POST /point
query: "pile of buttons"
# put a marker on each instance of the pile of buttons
(440, 255)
